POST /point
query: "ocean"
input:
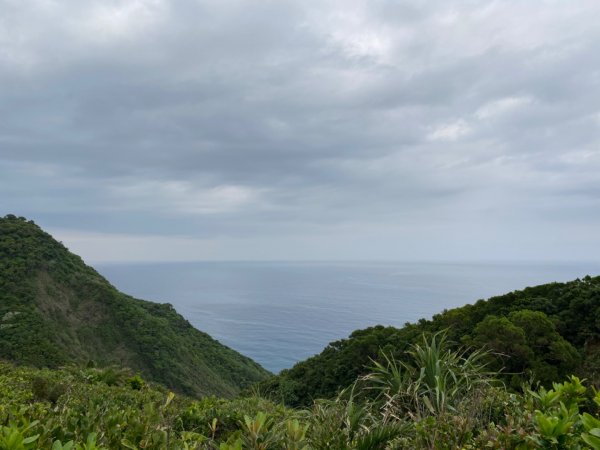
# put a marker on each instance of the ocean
(279, 313)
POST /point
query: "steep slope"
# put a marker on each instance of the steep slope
(55, 310)
(545, 332)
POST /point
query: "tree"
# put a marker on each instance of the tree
(527, 341)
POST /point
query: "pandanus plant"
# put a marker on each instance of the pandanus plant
(347, 424)
(432, 379)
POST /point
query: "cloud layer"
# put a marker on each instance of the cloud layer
(291, 130)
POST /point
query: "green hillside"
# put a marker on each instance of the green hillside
(544, 332)
(55, 310)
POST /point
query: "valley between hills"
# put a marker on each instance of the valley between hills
(84, 366)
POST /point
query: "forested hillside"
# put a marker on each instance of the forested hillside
(55, 310)
(544, 332)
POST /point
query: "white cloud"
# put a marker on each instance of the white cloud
(502, 106)
(450, 131)
(108, 21)
(184, 197)
(588, 159)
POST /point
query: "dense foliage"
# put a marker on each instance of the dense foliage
(55, 310)
(433, 398)
(545, 332)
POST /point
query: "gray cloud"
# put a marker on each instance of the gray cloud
(280, 129)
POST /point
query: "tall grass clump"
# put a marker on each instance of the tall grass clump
(444, 392)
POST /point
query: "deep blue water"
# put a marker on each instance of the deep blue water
(280, 313)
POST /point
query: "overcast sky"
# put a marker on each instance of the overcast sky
(201, 130)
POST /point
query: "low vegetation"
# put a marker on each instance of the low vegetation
(434, 398)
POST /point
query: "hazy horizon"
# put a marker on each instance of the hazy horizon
(350, 261)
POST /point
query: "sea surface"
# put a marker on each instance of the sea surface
(279, 313)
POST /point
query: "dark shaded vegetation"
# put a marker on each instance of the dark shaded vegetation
(54, 310)
(542, 333)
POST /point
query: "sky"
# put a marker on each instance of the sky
(155, 130)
